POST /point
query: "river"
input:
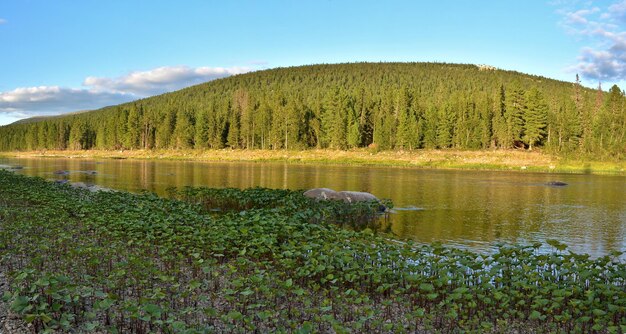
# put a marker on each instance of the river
(469, 209)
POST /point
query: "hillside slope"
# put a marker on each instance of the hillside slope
(383, 105)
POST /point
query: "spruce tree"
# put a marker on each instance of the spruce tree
(514, 115)
(535, 118)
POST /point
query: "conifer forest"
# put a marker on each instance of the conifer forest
(384, 106)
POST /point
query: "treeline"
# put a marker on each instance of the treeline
(381, 105)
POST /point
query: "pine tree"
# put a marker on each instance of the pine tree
(498, 123)
(133, 129)
(384, 123)
(201, 139)
(338, 108)
(242, 108)
(431, 119)
(164, 130)
(184, 130)
(535, 118)
(406, 120)
(234, 127)
(354, 131)
(615, 109)
(514, 116)
(445, 128)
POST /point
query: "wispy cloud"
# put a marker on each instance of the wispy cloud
(161, 79)
(580, 16)
(3, 21)
(98, 92)
(604, 58)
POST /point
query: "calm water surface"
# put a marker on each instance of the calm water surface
(473, 209)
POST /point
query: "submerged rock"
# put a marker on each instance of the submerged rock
(90, 187)
(556, 184)
(60, 172)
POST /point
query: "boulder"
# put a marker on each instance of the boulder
(346, 196)
(357, 196)
(322, 194)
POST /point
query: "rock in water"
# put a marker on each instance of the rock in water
(346, 196)
(556, 184)
(357, 196)
(322, 194)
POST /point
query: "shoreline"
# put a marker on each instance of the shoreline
(503, 160)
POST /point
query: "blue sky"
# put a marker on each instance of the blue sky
(63, 56)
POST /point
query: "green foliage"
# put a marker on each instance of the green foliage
(269, 261)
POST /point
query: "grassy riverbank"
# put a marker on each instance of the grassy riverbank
(273, 261)
(518, 160)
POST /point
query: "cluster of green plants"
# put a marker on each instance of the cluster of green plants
(136, 263)
(358, 216)
(384, 106)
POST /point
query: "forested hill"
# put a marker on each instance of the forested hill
(381, 105)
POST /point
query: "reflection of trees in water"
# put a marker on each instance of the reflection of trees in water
(460, 206)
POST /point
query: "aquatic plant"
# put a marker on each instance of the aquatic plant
(357, 215)
(271, 262)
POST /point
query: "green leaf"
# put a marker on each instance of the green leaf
(153, 310)
(247, 292)
(598, 312)
(534, 315)
(20, 304)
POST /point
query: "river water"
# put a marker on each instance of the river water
(469, 209)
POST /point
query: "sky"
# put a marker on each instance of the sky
(65, 56)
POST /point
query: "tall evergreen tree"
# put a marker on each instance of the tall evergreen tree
(535, 118)
(338, 108)
(514, 116)
(445, 128)
(184, 130)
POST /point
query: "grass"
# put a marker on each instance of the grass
(274, 261)
(518, 160)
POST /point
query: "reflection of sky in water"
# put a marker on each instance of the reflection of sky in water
(473, 209)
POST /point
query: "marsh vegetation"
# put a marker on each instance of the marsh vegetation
(272, 260)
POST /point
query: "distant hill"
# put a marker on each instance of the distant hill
(340, 106)
(35, 119)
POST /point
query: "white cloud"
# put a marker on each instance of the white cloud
(603, 29)
(29, 101)
(580, 16)
(98, 92)
(3, 21)
(617, 11)
(161, 79)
